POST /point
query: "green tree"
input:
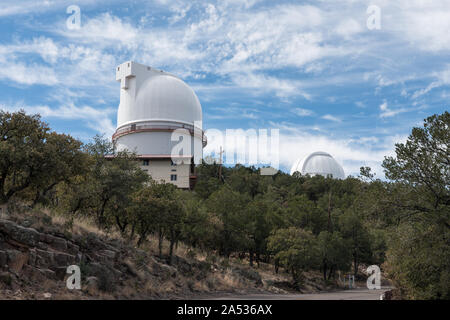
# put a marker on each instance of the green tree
(334, 253)
(423, 163)
(296, 250)
(65, 161)
(227, 207)
(357, 238)
(418, 249)
(34, 160)
(105, 190)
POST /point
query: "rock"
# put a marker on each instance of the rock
(27, 223)
(73, 248)
(163, 271)
(44, 258)
(60, 272)
(26, 236)
(3, 259)
(57, 243)
(34, 274)
(5, 278)
(16, 260)
(47, 295)
(129, 267)
(91, 285)
(108, 253)
(386, 295)
(248, 274)
(63, 259)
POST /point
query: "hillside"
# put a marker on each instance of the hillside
(35, 250)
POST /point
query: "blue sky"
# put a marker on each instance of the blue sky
(309, 68)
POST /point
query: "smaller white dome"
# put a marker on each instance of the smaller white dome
(320, 163)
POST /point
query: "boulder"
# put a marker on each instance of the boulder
(3, 259)
(57, 243)
(63, 259)
(22, 235)
(16, 260)
(91, 286)
(6, 279)
(163, 271)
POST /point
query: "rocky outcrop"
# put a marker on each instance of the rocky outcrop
(43, 253)
(34, 257)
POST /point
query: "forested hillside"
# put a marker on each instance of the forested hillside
(297, 223)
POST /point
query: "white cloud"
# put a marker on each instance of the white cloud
(386, 112)
(30, 74)
(331, 118)
(302, 112)
(349, 28)
(97, 119)
(295, 144)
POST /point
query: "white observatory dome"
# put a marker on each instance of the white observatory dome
(155, 106)
(320, 163)
(162, 97)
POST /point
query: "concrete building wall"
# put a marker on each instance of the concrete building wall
(160, 143)
(162, 169)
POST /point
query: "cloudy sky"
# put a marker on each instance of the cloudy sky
(312, 69)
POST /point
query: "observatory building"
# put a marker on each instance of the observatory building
(319, 163)
(158, 112)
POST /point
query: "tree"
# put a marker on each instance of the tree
(145, 213)
(227, 206)
(296, 250)
(418, 261)
(334, 253)
(423, 163)
(196, 228)
(34, 160)
(257, 227)
(105, 190)
(418, 249)
(357, 238)
(65, 161)
(304, 213)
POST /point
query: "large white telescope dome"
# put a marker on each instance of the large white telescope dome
(319, 163)
(157, 110)
(161, 97)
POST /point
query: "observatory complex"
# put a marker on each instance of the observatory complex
(157, 112)
(319, 163)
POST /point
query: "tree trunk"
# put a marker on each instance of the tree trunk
(141, 239)
(331, 271)
(251, 258)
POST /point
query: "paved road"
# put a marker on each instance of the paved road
(354, 294)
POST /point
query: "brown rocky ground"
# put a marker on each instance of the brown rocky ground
(36, 248)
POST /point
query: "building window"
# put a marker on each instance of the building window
(146, 162)
(173, 177)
